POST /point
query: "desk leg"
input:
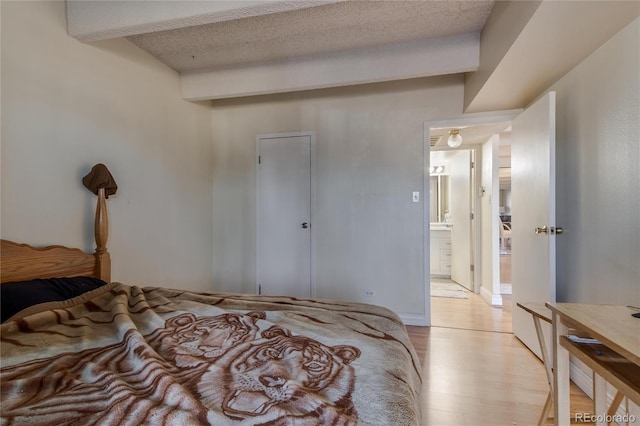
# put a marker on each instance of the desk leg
(615, 404)
(600, 399)
(560, 374)
(545, 410)
(544, 351)
(547, 368)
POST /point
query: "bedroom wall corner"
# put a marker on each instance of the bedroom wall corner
(67, 105)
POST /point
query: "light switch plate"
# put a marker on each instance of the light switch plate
(416, 196)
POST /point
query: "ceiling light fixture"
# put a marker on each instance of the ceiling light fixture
(455, 140)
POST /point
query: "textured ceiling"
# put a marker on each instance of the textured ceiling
(316, 30)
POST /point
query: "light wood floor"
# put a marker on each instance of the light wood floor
(476, 372)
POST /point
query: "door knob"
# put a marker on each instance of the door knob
(552, 230)
(304, 225)
(543, 230)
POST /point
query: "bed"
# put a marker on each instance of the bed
(105, 352)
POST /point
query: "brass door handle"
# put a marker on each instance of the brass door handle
(552, 230)
(543, 230)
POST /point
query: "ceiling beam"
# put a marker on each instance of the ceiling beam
(419, 58)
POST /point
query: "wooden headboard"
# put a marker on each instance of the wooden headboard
(22, 262)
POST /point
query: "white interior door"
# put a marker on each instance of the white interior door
(460, 203)
(533, 206)
(284, 215)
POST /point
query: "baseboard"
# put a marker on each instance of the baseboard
(441, 276)
(490, 298)
(505, 288)
(414, 319)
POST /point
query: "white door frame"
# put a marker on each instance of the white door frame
(463, 120)
(312, 135)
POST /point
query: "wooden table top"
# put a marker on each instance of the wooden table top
(612, 325)
(537, 309)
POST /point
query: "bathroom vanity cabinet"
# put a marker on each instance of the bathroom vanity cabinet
(440, 250)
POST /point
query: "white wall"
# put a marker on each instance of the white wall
(68, 105)
(598, 175)
(369, 156)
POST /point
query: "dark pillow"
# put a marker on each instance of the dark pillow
(19, 295)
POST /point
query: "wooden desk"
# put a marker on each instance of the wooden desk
(616, 360)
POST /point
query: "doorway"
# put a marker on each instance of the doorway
(284, 205)
(475, 129)
(533, 203)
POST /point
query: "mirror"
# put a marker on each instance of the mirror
(439, 198)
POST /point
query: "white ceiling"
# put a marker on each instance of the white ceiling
(315, 30)
(234, 48)
(509, 51)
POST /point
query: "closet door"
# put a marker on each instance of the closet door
(284, 215)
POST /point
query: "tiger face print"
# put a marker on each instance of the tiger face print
(127, 377)
(283, 376)
(191, 340)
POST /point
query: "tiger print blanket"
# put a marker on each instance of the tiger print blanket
(125, 355)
